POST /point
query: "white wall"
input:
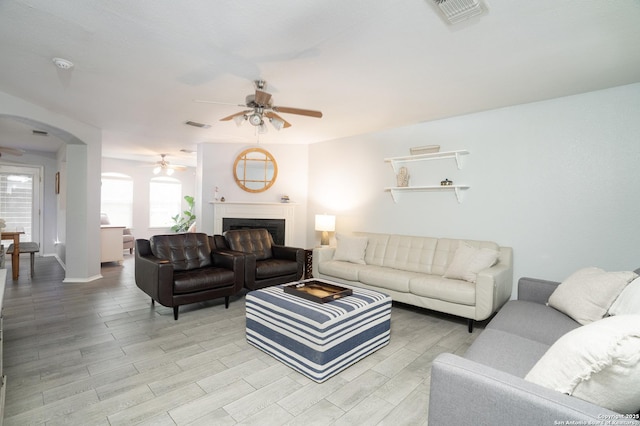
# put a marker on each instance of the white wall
(215, 167)
(556, 180)
(141, 175)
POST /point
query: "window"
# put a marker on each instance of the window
(20, 200)
(117, 198)
(165, 201)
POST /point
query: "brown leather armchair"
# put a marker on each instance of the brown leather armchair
(265, 263)
(179, 269)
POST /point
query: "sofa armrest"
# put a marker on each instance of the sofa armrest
(233, 260)
(464, 392)
(153, 275)
(494, 285)
(320, 254)
(284, 252)
(228, 259)
(535, 290)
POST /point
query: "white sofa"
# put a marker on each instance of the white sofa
(412, 270)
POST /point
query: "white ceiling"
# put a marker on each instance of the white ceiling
(366, 64)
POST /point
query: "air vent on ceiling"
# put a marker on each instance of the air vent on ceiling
(456, 11)
(196, 124)
(40, 132)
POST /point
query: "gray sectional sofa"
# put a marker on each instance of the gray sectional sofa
(413, 270)
(486, 386)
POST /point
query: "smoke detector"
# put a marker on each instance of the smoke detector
(455, 11)
(63, 64)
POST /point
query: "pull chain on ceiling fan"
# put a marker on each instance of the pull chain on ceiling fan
(262, 110)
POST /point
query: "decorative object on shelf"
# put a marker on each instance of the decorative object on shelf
(284, 199)
(255, 170)
(402, 177)
(222, 200)
(325, 223)
(427, 149)
(446, 182)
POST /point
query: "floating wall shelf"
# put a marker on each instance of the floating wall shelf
(397, 162)
(397, 190)
(457, 155)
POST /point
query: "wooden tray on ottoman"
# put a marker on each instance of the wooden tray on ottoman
(317, 291)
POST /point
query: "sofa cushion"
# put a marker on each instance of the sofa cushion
(506, 352)
(350, 249)
(587, 294)
(339, 269)
(435, 287)
(414, 254)
(250, 241)
(192, 281)
(446, 250)
(388, 278)
(599, 363)
(628, 301)
(468, 261)
(376, 247)
(533, 321)
(270, 268)
(184, 251)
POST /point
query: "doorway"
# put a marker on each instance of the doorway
(20, 199)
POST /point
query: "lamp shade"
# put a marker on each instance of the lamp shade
(325, 222)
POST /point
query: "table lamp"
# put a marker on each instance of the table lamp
(325, 223)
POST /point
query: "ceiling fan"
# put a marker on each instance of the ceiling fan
(163, 166)
(12, 151)
(262, 110)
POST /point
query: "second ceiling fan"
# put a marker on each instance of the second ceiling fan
(262, 110)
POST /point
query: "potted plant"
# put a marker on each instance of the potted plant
(183, 223)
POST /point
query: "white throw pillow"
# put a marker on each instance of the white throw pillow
(628, 301)
(468, 261)
(587, 294)
(599, 363)
(350, 249)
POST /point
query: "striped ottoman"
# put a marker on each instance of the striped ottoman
(318, 339)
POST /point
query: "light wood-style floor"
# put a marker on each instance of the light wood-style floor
(98, 354)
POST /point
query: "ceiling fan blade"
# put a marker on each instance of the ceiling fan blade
(299, 111)
(270, 114)
(201, 101)
(262, 98)
(178, 168)
(12, 151)
(232, 116)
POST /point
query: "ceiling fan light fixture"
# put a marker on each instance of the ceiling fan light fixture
(256, 119)
(157, 170)
(168, 171)
(238, 119)
(277, 124)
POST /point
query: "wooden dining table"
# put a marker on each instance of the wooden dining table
(15, 257)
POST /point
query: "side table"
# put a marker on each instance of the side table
(308, 264)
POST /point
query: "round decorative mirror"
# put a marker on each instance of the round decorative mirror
(255, 170)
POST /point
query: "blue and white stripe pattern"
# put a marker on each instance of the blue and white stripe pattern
(318, 339)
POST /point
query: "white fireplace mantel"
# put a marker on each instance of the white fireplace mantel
(255, 210)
